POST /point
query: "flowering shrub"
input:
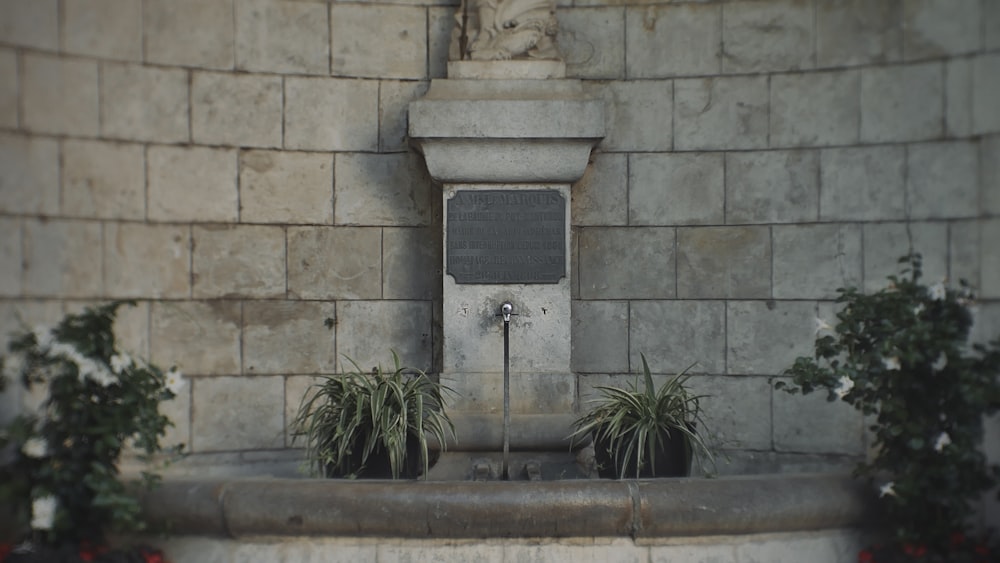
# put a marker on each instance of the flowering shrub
(61, 468)
(901, 356)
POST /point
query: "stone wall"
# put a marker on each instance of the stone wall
(240, 168)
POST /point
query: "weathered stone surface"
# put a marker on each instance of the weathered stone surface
(862, 183)
(59, 96)
(8, 88)
(151, 261)
(600, 336)
(29, 175)
(381, 189)
(296, 390)
(402, 41)
(934, 28)
(286, 187)
(31, 23)
(236, 109)
(200, 337)
(238, 261)
(411, 263)
(62, 259)
(676, 189)
(178, 410)
(767, 36)
(734, 410)
(991, 24)
(958, 97)
(625, 263)
(592, 42)
(440, 23)
(394, 100)
(989, 261)
(964, 246)
(723, 263)
(668, 41)
(237, 413)
(886, 243)
(10, 258)
(638, 115)
(818, 108)
(675, 334)
(331, 114)
(772, 186)
(198, 33)
(765, 337)
(989, 163)
(131, 328)
(857, 32)
(809, 423)
(692, 553)
(286, 37)
(530, 394)
(890, 108)
(443, 553)
(103, 180)
(110, 29)
(721, 113)
(352, 272)
(368, 330)
(144, 103)
(985, 85)
(842, 546)
(598, 195)
(812, 261)
(948, 168)
(285, 337)
(191, 184)
(620, 552)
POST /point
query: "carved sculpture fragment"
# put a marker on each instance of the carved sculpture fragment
(493, 30)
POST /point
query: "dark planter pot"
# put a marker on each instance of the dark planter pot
(673, 459)
(378, 465)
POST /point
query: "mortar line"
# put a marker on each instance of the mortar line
(19, 88)
(190, 100)
(284, 109)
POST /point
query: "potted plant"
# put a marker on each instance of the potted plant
(374, 424)
(644, 432)
(900, 355)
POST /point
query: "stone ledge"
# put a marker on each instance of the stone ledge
(555, 509)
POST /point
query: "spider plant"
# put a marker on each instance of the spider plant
(630, 426)
(353, 422)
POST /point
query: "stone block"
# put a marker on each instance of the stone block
(144, 103)
(440, 23)
(723, 263)
(902, 103)
(675, 334)
(964, 247)
(10, 258)
(989, 260)
(104, 180)
(600, 336)
(857, 32)
(991, 25)
(191, 184)
(393, 108)
(668, 41)
(59, 96)
(331, 114)
(772, 186)
(721, 113)
(107, 29)
(132, 330)
(592, 42)
(178, 410)
(676, 189)
(627, 263)
(958, 98)
(989, 175)
(411, 263)
(812, 261)
(985, 85)
(942, 180)
(835, 546)
(381, 189)
(862, 183)
(238, 261)
(812, 424)
(152, 261)
(367, 332)
(297, 389)
(638, 114)
(432, 553)
(29, 175)
(30, 23)
(767, 36)
(598, 195)
(624, 552)
(286, 187)
(200, 337)
(765, 337)
(8, 88)
(62, 259)
(402, 45)
(352, 272)
(237, 413)
(886, 243)
(735, 411)
(697, 553)
(936, 28)
(285, 37)
(818, 108)
(285, 337)
(198, 33)
(236, 109)
(531, 393)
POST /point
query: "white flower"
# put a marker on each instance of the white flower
(12, 366)
(44, 337)
(937, 291)
(174, 381)
(943, 440)
(69, 352)
(120, 362)
(822, 325)
(892, 363)
(89, 369)
(940, 363)
(43, 512)
(918, 309)
(886, 490)
(846, 384)
(35, 447)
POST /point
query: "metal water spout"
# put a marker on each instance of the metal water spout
(506, 310)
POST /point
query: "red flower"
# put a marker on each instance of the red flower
(152, 556)
(914, 550)
(866, 556)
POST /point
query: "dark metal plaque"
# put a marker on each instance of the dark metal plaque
(507, 236)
